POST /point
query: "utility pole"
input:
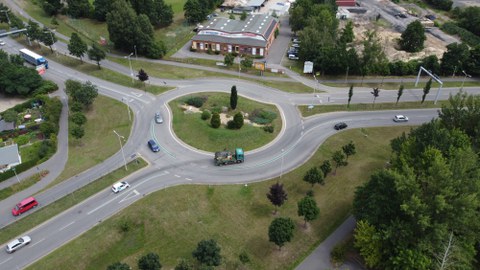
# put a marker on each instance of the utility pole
(121, 147)
(464, 78)
(130, 64)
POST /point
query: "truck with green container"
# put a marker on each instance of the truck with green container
(229, 157)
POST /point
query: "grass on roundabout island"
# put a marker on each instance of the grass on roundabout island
(171, 222)
(210, 139)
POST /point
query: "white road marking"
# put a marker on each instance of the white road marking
(39, 241)
(134, 192)
(176, 175)
(67, 225)
(136, 94)
(6, 260)
(188, 179)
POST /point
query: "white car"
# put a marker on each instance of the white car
(117, 187)
(400, 118)
(2, 43)
(17, 244)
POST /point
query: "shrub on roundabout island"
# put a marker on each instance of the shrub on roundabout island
(215, 121)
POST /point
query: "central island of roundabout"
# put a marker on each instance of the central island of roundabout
(172, 222)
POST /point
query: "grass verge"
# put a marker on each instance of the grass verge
(45, 213)
(207, 138)
(24, 184)
(369, 107)
(172, 221)
(99, 142)
(407, 85)
(106, 74)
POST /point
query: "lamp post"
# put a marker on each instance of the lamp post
(239, 60)
(464, 78)
(135, 48)
(6, 14)
(15, 172)
(130, 64)
(281, 168)
(121, 146)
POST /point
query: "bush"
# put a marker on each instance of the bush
(46, 87)
(206, 115)
(215, 121)
(196, 101)
(125, 225)
(22, 139)
(76, 107)
(238, 120)
(244, 257)
(268, 128)
(466, 36)
(262, 117)
(78, 118)
(231, 125)
(338, 253)
(20, 168)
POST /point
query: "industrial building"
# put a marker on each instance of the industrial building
(253, 36)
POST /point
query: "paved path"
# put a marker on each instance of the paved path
(319, 259)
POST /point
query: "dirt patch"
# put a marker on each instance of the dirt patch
(389, 40)
(9, 102)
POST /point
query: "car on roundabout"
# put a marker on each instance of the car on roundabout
(119, 186)
(400, 118)
(18, 243)
(340, 126)
(158, 118)
(153, 146)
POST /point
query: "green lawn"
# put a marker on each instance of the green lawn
(207, 138)
(171, 222)
(407, 85)
(369, 107)
(99, 142)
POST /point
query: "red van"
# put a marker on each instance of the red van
(24, 206)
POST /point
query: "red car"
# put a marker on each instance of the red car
(24, 206)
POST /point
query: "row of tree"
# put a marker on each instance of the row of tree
(82, 96)
(421, 213)
(196, 11)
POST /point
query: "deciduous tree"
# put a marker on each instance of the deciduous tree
(399, 93)
(313, 176)
(142, 76)
(307, 207)
(339, 158)
(150, 261)
(375, 93)
(208, 253)
(326, 168)
(77, 132)
(426, 89)
(52, 7)
(48, 38)
(350, 94)
(349, 149)
(194, 12)
(118, 266)
(280, 231)
(455, 58)
(413, 37)
(277, 195)
(78, 8)
(77, 47)
(228, 60)
(78, 118)
(96, 54)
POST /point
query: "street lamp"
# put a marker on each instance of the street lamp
(135, 48)
(6, 13)
(121, 146)
(281, 168)
(130, 64)
(239, 60)
(125, 100)
(466, 75)
(15, 172)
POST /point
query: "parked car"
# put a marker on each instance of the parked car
(400, 118)
(292, 57)
(430, 17)
(296, 45)
(158, 118)
(2, 43)
(119, 186)
(18, 243)
(341, 125)
(153, 146)
(296, 40)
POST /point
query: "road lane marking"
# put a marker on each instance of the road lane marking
(176, 175)
(6, 260)
(134, 192)
(188, 179)
(67, 225)
(39, 241)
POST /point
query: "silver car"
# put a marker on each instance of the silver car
(400, 118)
(18, 243)
(158, 118)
